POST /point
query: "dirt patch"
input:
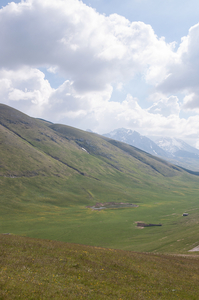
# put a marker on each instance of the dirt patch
(194, 249)
(99, 205)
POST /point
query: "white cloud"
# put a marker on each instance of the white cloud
(66, 103)
(95, 53)
(28, 88)
(183, 74)
(191, 101)
(129, 114)
(25, 89)
(166, 106)
(89, 48)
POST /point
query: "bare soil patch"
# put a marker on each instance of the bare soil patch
(99, 205)
(194, 249)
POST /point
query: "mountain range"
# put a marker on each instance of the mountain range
(172, 149)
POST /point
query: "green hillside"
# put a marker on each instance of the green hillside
(43, 269)
(51, 173)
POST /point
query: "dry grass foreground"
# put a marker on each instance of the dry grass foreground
(44, 269)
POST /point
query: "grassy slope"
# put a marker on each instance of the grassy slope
(47, 180)
(43, 269)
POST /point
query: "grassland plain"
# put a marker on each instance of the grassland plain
(47, 180)
(43, 208)
(44, 269)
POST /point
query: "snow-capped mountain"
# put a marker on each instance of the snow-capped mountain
(137, 140)
(173, 150)
(177, 147)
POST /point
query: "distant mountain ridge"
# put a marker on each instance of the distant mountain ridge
(174, 145)
(135, 139)
(171, 149)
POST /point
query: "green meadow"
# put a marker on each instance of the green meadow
(44, 269)
(54, 245)
(44, 209)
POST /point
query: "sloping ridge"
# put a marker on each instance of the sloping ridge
(22, 133)
(159, 165)
(61, 144)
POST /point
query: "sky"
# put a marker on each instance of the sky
(104, 64)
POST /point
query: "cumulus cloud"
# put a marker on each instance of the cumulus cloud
(67, 103)
(191, 101)
(89, 48)
(166, 106)
(95, 53)
(29, 89)
(183, 73)
(25, 89)
(129, 114)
